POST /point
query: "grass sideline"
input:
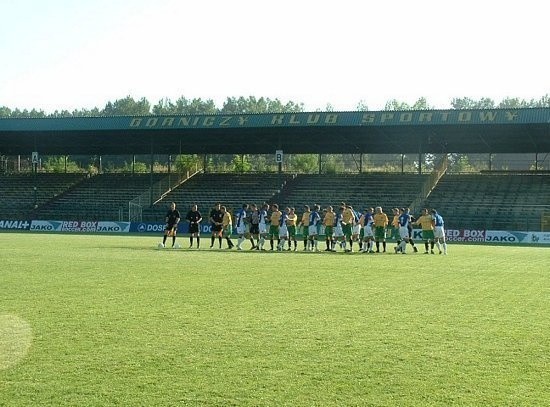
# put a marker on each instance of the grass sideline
(109, 320)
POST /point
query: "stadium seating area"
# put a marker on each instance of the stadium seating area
(512, 201)
(18, 195)
(101, 197)
(232, 190)
(492, 201)
(360, 190)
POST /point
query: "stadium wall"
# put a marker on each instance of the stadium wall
(148, 228)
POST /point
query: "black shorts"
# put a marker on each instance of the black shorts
(171, 228)
(254, 229)
(193, 228)
(216, 228)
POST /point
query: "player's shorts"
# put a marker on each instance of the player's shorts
(254, 229)
(312, 230)
(380, 233)
(356, 229)
(292, 231)
(439, 232)
(228, 230)
(262, 227)
(194, 227)
(395, 233)
(216, 228)
(404, 232)
(241, 229)
(428, 235)
(367, 232)
(305, 231)
(273, 230)
(283, 231)
(347, 230)
(338, 232)
(171, 229)
(329, 231)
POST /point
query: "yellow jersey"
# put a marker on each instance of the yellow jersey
(305, 219)
(348, 217)
(380, 220)
(329, 219)
(395, 221)
(275, 218)
(425, 221)
(226, 219)
(291, 220)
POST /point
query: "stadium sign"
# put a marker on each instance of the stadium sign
(46, 226)
(501, 236)
(414, 117)
(158, 227)
(465, 235)
(79, 226)
(155, 227)
(14, 224)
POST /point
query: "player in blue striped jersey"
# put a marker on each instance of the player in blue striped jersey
(439, 231)
(240, 224)
(314, 220)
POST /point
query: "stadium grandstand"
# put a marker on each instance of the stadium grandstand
(516, 199)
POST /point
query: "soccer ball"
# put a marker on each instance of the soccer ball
(160, 246)
(177, 246)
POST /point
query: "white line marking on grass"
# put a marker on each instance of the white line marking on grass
(15, 340)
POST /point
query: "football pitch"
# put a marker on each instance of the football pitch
(93, 320)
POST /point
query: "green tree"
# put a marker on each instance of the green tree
(59, 165)
(250, 105)
(185, 106)
(304, 163)
(469, 103)
(362, 106)
(241, 163)
(127, 107)
(187, 162)
(396, 105)
(5, 112)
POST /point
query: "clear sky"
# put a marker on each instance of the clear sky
(73, 54)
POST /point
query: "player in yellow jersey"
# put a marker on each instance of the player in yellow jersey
(380, 224)
(328, 222)
(304, 223)
(274, 220)
(227, 227)
(426, 222)
(291, 222)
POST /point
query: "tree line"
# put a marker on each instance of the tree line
(129, 106)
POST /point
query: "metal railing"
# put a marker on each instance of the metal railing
(156, 193)
(430, 183)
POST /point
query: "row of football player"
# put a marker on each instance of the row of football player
(344, 227)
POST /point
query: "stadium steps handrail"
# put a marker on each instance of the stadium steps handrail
(159, 190)
(430, 183)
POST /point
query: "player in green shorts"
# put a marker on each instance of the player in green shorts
(426, 222)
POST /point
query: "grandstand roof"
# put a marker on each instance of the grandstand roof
(426, 131)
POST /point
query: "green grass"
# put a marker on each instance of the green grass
(109, 320)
